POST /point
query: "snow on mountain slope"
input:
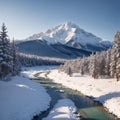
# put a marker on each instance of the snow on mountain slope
(64, 41)
(70, 32)
(40, 48)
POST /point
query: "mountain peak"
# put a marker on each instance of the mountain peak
(70, 24)
(70, 34)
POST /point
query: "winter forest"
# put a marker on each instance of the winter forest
(98, 65)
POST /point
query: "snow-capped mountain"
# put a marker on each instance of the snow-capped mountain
(64, 41)
(72, 35)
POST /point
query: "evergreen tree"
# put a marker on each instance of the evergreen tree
(5, 53)
(101, 64)
(107, 62)
(116, 48)
(82, 66)
(16, 63)
(113, 63)
(69, 71)
(93, 67)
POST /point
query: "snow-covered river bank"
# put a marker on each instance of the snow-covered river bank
(106, 91)
(21, 99)
(86, 107)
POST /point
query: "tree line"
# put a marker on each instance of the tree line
(29, 60)
(99, 65)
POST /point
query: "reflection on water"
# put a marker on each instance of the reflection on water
(87, 108)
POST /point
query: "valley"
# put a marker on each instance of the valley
(59, 60)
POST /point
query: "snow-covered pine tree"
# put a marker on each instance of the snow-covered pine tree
(76, 66)
(98, 62)
(91, 64)
(16, 63)
(5, 53)
(82, 66)
(69, 71)
(113, 63)
(93, 68)
(101, 64)
(107, 62)
(116, 48)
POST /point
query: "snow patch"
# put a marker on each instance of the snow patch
(63, 110)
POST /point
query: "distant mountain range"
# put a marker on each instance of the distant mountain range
(64, 41)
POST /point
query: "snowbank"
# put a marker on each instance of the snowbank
(21, 99)
(107, 91)
(63, 110)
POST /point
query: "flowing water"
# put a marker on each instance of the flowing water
(86, 107)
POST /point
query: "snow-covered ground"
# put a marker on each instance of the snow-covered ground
(21, 99)
(107, 91)
(63, 110)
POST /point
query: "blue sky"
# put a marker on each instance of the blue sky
(26, 17)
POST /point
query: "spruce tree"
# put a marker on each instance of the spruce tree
(101, 64)
(69, 71)
(107, 62)
(113, 63)
(92, 66)
(117, 54)
(5, 53)
(16, 63)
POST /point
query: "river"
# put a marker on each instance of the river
(86, 107)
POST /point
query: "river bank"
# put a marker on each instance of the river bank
(59, 107)
(21, 98)
(87, 109)
(106, 91)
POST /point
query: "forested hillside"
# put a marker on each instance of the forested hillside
(99, 65)
(34, 60)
